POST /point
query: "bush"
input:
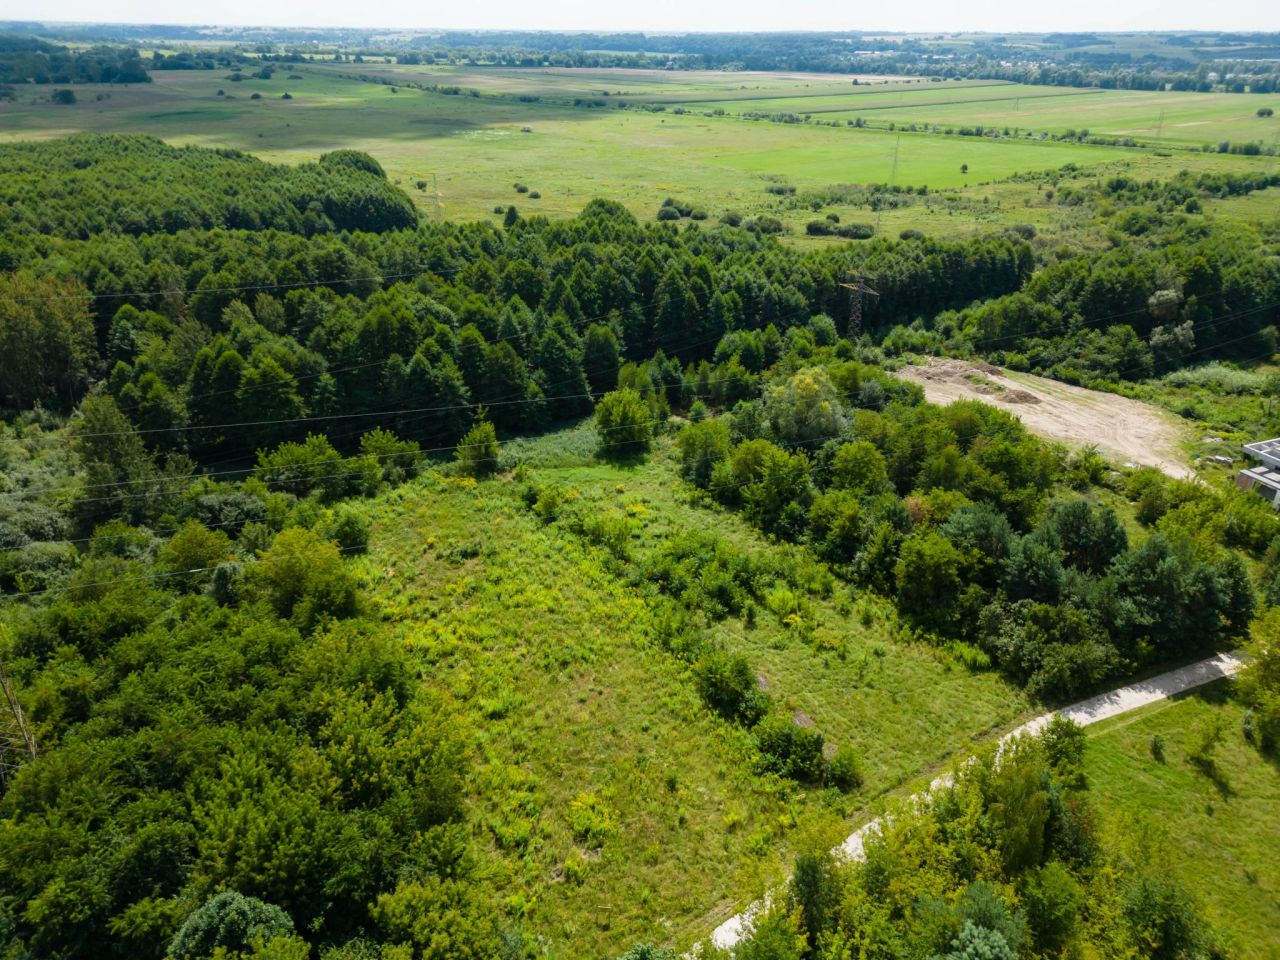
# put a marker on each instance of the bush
(1064, 744)
(844, 770)
(829, 228)
(477, 452)
(436, 918)
(397, 458)
(314, 466)
(1259, 682)
(978, 943)
(349, 529)
(591, 820)
(194, 549)
(230, 921)
(788, 749)
(728, 685)
(623, 423)
(304, 578)
(701, 446)
(1162, 918)
(1053, 900)
(613, 531)
(548, 501)
(647, 951)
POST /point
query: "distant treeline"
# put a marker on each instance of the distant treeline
(25, 59)
(95, 186)
(1068, 60)
(1055, 64)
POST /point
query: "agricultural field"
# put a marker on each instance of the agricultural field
(552, 654)
(1212, 824)
(628, 84)
(1174, 118)
(460, 156)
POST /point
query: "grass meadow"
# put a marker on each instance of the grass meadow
(548, 650)
(1213, 826)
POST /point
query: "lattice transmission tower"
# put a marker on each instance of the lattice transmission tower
(858, 289)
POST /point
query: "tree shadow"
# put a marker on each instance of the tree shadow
(631, 459)
(1208, 767)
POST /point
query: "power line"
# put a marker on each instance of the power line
(119, 580)
(286, 477)
(284, 285)
(365, 414)
(213, 475)
(958, 438)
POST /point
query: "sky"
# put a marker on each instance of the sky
(677, 15)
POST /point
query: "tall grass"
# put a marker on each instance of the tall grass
(1219, 377)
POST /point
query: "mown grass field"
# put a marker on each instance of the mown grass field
(1216, 831)
(467, 152)
(548, 650)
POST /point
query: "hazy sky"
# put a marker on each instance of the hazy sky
(679, 15)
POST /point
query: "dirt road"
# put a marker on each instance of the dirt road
(1085, 712)
(1124, 430)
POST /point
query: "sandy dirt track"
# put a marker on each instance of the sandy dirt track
(1124, 430)
(1101, 707)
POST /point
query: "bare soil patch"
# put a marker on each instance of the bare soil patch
(1122, 429)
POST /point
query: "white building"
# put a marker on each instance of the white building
(1265, 477)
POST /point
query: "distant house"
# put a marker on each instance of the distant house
(1265, 477)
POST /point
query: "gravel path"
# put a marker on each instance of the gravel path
(1101, 707)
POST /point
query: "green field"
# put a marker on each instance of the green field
(1216, 832)
(551, 654)
(631, 85)
(1182, 119)
(466, 152)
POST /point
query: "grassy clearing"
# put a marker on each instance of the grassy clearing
(1219, 832)
(1261, 207)
(546, 648)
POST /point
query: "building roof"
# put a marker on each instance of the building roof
(1264, 475)
(1268, 451)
